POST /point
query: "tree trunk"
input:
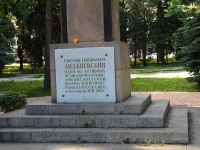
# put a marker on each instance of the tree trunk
(47, 79)
(20, 51)
(144, 52)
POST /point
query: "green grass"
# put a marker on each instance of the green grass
(27, 69)
(153, 64)
(163, 85)
(29, 88)
(35, 88)
(153, 67)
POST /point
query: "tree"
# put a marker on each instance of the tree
(159, 29)
(44, 33)
(47, 82)
(20, 10)
(134, 24)
(7, 31)
(190, 53)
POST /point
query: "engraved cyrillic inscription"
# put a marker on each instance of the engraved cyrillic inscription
(86, 75)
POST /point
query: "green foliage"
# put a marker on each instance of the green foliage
(134, 19)
(78, 140)
(148, 142)
(189, 55)
(163, 143)
(83, 112)
(10, 101)
(127, 141)
(14, 68)
(7, 32)
(87, 125)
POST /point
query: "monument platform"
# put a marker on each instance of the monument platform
(156, 120)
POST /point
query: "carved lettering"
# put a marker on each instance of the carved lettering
(86, 75)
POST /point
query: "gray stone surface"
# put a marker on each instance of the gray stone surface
(30, 146)
(193, 146)
(122, 66)
(156, 135)
(168, 147)
(173, 118)
(130, 147)
(154, 115)
(97, 146)
(134, 105)
(109, 128)
(78, 121)
(194, 114)
(92, 135)
(194, 127)
(172, 134)
(117, 121)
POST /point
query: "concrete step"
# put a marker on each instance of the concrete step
(153, 116)
(70, 121)
(176, 131)
(136, 104)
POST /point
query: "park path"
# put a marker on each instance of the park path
(30, 77)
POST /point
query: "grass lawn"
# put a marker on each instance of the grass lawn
(29, 88)
(12, 70)
(153, 67)
(163, 85)
(35, 88)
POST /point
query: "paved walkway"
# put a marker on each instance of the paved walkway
(162, 75)
(29, 77)
(21, 77)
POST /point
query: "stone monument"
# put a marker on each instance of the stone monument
(97, 68)
(92, 101)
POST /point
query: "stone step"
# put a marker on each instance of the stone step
(135, 104)
(70, 121)
(176, 131)
(153, 116)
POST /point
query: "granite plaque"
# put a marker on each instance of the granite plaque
(85, 75)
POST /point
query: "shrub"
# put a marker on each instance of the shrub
(10, 101)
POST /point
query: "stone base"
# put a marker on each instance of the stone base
(122, 66)
(138, 119)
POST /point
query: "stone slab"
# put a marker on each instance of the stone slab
(134, 105)
(84, 76)
(175, 135)
(168, 147)
(70, 121)
(85, 20)
(122, 66)
(170, 134)
(193, 146)
(92, 135)
(154, 115)
(174, 114)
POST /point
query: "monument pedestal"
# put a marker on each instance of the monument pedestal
(77, 72)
